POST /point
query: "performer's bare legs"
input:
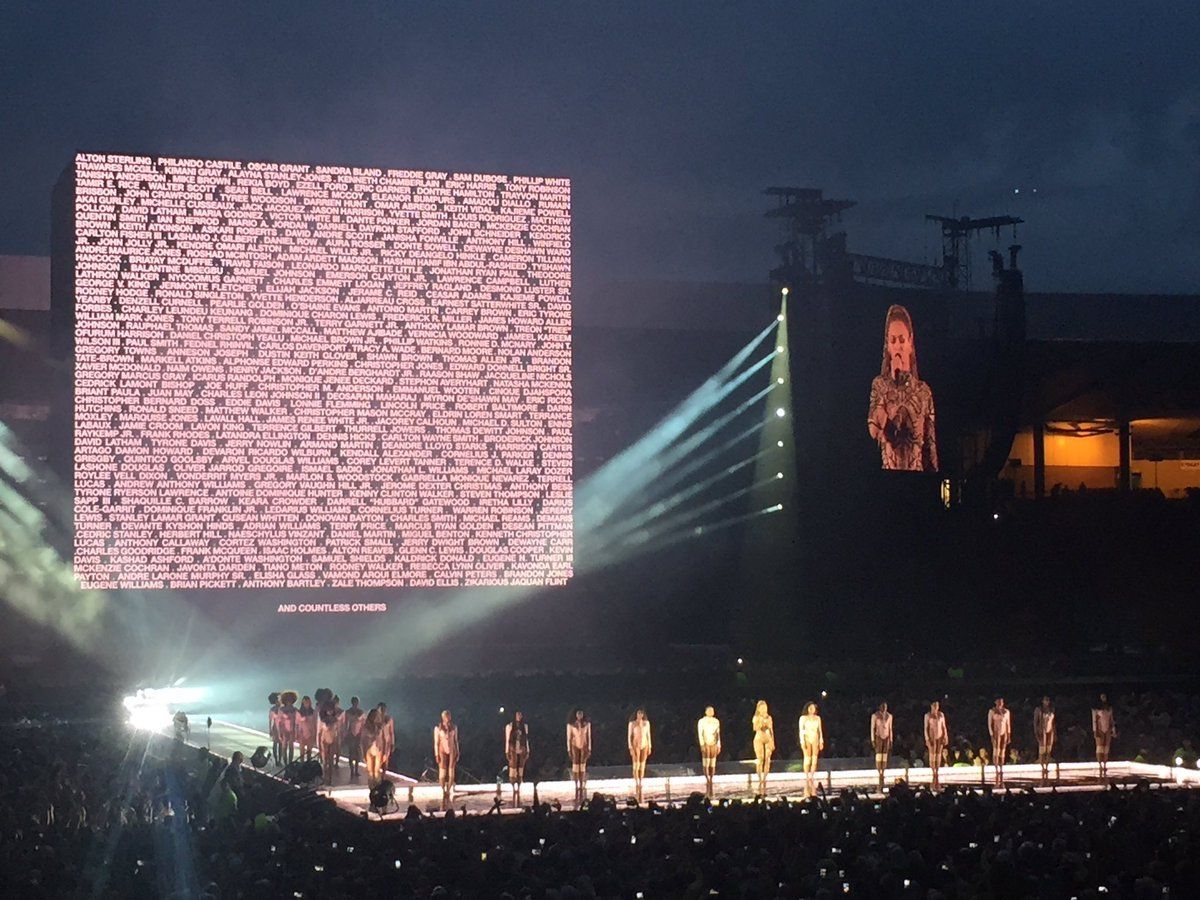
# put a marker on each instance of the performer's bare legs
(811, 755)
(579, 775)
(936, 751)
(516, 776)
(708, 762)
(999, 755)
(328, 749)
(639, 772)
(446, 780)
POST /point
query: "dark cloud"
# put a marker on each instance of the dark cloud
(669, 117)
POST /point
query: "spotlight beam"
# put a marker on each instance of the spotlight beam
(641, 538)
(628, 473)
(704, 530)
(666, 505)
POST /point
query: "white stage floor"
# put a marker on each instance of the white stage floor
(480, 798)
(225, 737)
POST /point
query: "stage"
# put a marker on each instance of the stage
(481, 798)
(224, 738)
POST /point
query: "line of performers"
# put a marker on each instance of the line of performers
(369, 736)
(936, 732)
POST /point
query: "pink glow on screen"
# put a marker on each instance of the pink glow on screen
(305, 376)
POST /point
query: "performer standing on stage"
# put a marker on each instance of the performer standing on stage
(812, 742)
(937, 739)
(372, 743)
(579, 748)
(1045, 729)
(445, 751)
(329, 729)
(999, 722)
(881, 738)
(764, 744)
(708, 733)
(387, 726)
(285, 726)
(1104, 729)
(306, 728)
(639, 741)
(273, 726)
(516, 751)
(352, 726)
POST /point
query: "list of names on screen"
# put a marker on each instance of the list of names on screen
(307, 376)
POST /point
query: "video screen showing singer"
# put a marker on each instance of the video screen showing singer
(901, 417)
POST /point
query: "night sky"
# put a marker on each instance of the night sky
(669, 117)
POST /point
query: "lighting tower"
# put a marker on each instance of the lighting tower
(956, 236)
(807, 214)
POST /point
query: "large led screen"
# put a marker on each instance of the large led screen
(900, 418)
(306, 376)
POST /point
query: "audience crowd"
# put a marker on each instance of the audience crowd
(101, 811)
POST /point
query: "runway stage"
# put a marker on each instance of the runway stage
(224, 738)
(480, 798)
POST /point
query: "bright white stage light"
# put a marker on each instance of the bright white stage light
(739, 660)
(781, 412)
(1179, 760)
(146, 713)
(779, 443)
(150, 708)
(778, 474)
(779, 381)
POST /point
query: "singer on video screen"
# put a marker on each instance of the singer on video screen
(901, 418)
